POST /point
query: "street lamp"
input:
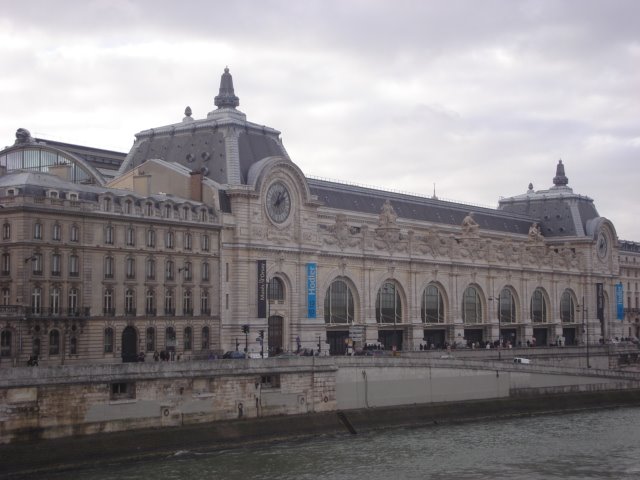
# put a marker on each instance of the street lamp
(585, 327)
(245, 330)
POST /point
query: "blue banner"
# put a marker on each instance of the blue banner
(311, 290)
(620, 300)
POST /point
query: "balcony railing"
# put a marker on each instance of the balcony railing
(170, 311)
(188, 312)
(109, 312)
(205, 312)
(130, 312)
(57, 312)
(151, 312)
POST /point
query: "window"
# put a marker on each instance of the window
(73, 346)
(432, 305)
(129, 302)
(107, 204)
(188, 241)
(205, 271)
(54, 342)
(203, 215)
(74, 266)
(151, 238)
(150, 269)
(6, 231)
(54, 301)
(507, 307)
(170, 338)
(188, 272)
(5, 343)
(276, 290)
(35, 347)
(167, 211)
(205, 338)
(56, 264)
(168, 270)
(131, 237)
(36, 301)
(131, 267)
(187, 337)
(169, 241)
(128, 207)
(6, 264)
(150, 302)
(108, 235)
(74, 233)
(122, 391)
(73, 301)
(338, 303)
(471, 306)
(204, 302)
(37, 231)
(169, 307)
(36, 264)
(57, 232)
(185, 213)
(187, 303)
(6, 296)
(538, 306)
(108, 302)
(108, 267)
(150, 339)
(567, 307)
(108, 340)
(148, 209)
(205, 242)
(388, 305)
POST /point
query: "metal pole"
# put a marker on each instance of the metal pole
(499, 332)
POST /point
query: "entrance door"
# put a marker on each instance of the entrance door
(569, 334)
(337, 341)
(129, 344)
(435, 338)
(275, 335)
(391, 338)
(509, 335)
(540, 334)
(473, 335)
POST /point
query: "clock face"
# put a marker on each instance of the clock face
(602, 245)
(278, 202)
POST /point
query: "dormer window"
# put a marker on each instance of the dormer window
(107, 204)
(167, 211)
(148, 209)
(53, 194)
(73, 196)
(203, 215)
(11, 192)
(127, 207)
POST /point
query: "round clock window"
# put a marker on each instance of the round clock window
(278, 202)
(602, 245)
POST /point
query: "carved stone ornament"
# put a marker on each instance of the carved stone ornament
(535, 235)
(341, 233)
(469, 226)
(388, 217)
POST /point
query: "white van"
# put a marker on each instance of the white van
(521, 360)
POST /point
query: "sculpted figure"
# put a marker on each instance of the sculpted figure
(387, 215)
(23, 136)
(534, 233)
(469, 225)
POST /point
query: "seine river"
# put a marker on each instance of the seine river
(591, 444)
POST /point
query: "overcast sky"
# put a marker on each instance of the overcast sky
(480, 97)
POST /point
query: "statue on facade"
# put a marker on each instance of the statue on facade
(535, 235)
(469, 226)
(23, 136)
(387, 215)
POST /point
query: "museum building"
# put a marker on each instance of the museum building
(206, 237)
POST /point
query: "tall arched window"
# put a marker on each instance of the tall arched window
(205, 338)
(567, 307)
(54, 301)
(108, 302)
(205, 271)
(150, 269)
(129, 302)
(54, 342)
(74, 233)
(169, 270)
(150, 339)
(187, 337)
(338, 303)
(108, 340)
(108, 267)
(5, 343)
(151, 238)
(187, 302)
(73, 301)
(471, 306)
(170, 338)
(130, 237)
(538, 306)
(388, 304)
(36, 301)
(432, 305)
(131, 267)
(169, 305)
(276, 290)
(507, 307)
(204, 302)
(150, 302)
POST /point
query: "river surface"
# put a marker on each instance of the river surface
(600, 444)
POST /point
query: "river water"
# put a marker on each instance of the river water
(598, 444)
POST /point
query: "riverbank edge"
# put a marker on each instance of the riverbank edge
(21, 459)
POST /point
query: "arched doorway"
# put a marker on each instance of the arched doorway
(129, 344)
(275, 334)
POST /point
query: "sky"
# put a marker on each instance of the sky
(473, 98)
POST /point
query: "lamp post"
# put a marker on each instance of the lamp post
(245, 330)
(585, 328)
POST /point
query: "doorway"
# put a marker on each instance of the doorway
(275, 335)
(390, 339)
(129, 344)
(337, 340)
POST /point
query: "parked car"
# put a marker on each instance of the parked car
(234, 355)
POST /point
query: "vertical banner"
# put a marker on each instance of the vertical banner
(311, 290)
(620, 300)
(262, 289)
(600, 302)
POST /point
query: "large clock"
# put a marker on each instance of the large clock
(602, 245)
(278, 202)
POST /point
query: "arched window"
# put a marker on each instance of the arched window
(5, 343)
(56, 264)
(73, 302)
(276, 290)
(170, 338)
(187, 337)
(57, 232)
(150, 302)
(108, 235)
(129, 302)
(108, 340)
(150, 339)
(204, 240)
(567, 307)
(169, 241)
(73, 346)
(36, 301)
(388, 304)
(205, 338)
(169, 270)
(471, 306)
(188, 241)
(37, 231)
(432, 305)
(188, 272)
(187, 302)
(74, 233)
(108, 302)
(538, 306)
(205, 271)
(74, 265)
(6, 296)
(148, 209)
(130, 237)
(338, 303)
(131, 267)
(204, 302)
(151, 238)
(54, 342)
(108, 267)
(6, 231)
(169, 305)
(507, 308)
(150, 269)
(127, 206)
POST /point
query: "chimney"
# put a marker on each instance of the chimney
(195, 186)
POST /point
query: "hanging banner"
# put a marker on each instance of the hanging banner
(600, 301)
(620, 301)
(311, 290)
(262, 289)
